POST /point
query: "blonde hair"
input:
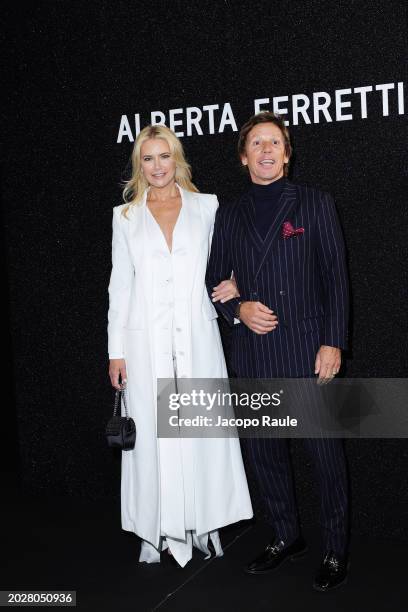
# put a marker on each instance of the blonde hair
(135, 187)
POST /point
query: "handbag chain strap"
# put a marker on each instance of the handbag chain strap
(118, 393)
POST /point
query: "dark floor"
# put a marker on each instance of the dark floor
(73, 544)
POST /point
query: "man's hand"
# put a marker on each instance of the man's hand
(327, 364)
(258, 317)
(225, 291)
(116, 367)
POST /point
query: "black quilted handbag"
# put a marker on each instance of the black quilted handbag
(121, 431)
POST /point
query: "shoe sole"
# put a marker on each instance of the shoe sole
(317, 588)
(295, 557)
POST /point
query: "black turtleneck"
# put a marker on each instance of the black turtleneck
(265, 199)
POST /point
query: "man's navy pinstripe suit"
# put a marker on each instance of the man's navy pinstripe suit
(303, 279)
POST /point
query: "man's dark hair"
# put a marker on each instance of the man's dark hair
(265, 117)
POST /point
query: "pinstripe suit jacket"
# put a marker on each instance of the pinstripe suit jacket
(303, 279)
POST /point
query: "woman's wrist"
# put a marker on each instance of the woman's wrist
(237, 310)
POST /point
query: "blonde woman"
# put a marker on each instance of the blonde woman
(175, 493)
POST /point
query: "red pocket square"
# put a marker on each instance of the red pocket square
(288, 230)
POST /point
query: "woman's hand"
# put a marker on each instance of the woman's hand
(225, 291)
(116, 367)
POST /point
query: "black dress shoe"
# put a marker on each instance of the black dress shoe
(332, 572)
(275, 554)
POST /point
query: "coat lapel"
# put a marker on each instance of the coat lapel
(188, 238)
(141, 245)
(284, 208)
(247, 208)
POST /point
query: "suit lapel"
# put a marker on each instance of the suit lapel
(285, 208)
(247, 208)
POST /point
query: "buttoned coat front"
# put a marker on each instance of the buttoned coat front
(151, 292)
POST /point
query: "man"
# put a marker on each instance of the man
(284, 244)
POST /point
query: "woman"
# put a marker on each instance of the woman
(161, 323)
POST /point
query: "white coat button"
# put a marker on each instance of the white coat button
(181, 352)
(178, 329)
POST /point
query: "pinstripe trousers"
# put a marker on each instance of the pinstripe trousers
(270, 461)
(270, 458)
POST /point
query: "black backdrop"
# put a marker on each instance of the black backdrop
(73, 70)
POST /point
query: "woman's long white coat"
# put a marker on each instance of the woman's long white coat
(140, 331)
